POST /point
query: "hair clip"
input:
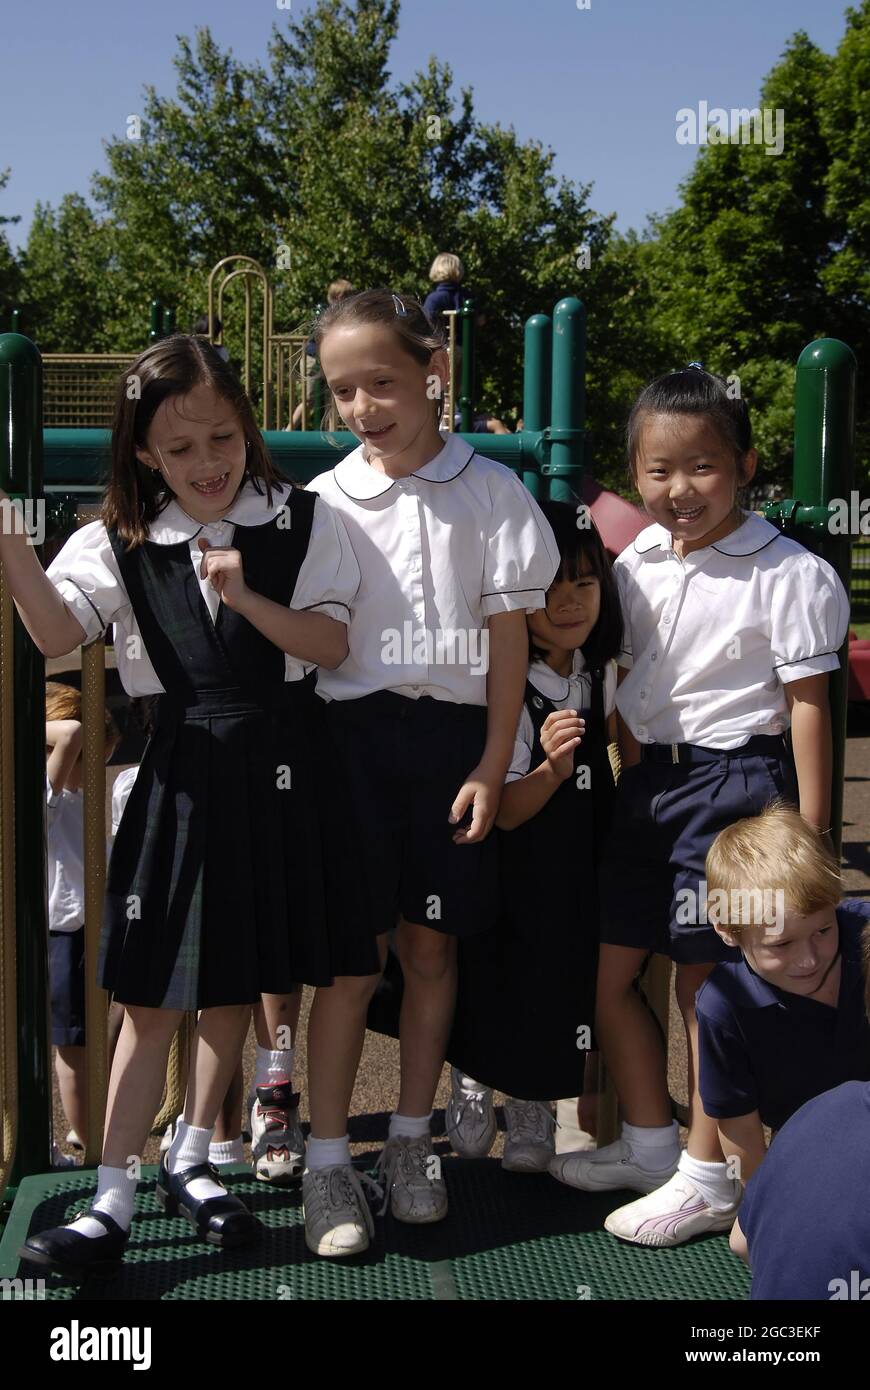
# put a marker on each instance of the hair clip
(699, 366)
(399, 307)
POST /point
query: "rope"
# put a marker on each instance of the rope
(177, 1067)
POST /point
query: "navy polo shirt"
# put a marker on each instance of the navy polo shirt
(764, 1049)
(446, 295)
(805, 1213)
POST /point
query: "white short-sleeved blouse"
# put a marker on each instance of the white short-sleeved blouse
(86, 575)
(439, 552)
(712, 639)
(565, 692)
(66, 864)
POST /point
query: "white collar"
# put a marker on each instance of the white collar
(550, 683)
(357, 479)
(251, 508)
(751, 535)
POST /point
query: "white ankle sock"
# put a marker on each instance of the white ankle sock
(227, 1151)
(116, 1194)
(273, 1067)
(325, 1153)
(188, 1148)
(409, 1126)
(712, 1181)
(655, 1146)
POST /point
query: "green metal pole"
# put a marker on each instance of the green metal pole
(537, 352)
(824, 446)
(565, 466)
(155, 330)
(16, 321)
(21, 475)
(466, 390)
(168, 322)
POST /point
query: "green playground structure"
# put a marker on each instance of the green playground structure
(510, 1248)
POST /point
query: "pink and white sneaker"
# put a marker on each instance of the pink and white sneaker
(670, 1216)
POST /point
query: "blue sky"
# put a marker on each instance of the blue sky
(600, 86)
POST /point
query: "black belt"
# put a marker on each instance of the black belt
(687, 754)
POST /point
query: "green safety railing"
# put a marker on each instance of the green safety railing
(824, 443)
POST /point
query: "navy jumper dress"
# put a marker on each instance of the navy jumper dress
(527, 987)
(215, 890)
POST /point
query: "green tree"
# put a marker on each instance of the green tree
(320, 153)
(10, 269)
(768, 252)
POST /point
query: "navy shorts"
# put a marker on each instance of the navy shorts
(665, 818)
(402, 763)
(66, 972)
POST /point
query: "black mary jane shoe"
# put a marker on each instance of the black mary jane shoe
(223, 1221)
(69, 1252)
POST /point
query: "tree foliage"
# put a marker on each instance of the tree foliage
(318, 151)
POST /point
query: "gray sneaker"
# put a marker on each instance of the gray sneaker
(470, 1118)
(411, 1176)
(338, 1221)
(530, 1141)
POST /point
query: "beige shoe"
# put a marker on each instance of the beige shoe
(411, 1175)
(529, 1143)
(338, 1220)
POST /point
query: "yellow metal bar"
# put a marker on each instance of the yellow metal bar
(451, 316)
(94, 788)
(8, 987)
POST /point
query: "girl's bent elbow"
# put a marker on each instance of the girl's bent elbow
(336, 657)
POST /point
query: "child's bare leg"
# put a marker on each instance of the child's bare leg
(115, 1023)
(228, 1125)
(276, 1020)
(71, 1069)
(703, 1132)
(136, 1081)
(630, 1040)
(336, 1032)
(428, 960)
(217, 1045)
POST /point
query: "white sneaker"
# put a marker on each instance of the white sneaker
(411, 1175)
(470, 1119)
(530, 1140)
(277, 1145)
(670, 1216)
(74, 1141)
(613, 1167)
(338, 1221)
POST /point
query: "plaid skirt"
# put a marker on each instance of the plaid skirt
(216, 890)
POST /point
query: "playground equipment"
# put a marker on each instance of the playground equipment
(549, 456)
(78, 388)
(824, 442)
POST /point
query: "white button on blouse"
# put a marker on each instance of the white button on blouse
(711, 640)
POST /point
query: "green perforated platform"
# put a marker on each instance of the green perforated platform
(508, 1236)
